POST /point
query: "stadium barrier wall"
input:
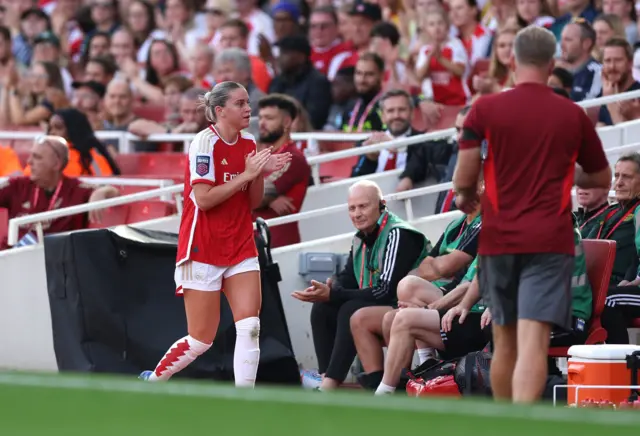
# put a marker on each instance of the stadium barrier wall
(25, 318)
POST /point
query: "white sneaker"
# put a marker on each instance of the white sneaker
(310, 379)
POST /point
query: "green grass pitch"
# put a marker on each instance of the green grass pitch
(69, 405)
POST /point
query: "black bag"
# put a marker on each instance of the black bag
(472, 373)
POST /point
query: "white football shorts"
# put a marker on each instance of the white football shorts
(203, 277)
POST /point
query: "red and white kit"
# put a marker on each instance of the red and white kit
(217, 243)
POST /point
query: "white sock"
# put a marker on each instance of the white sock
(247, 352)
(425, 354)
(385, 389)
(178, 357)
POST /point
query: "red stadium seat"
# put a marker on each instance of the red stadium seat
(160, 165)
(599, 255)
(635, 323)
(447, 118)
(338, 168)
(113, 216)
(150, 112)
(4, 225)
(148, 210)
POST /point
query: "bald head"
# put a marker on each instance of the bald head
(49, 157)
(365, 198)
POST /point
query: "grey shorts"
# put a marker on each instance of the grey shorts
(527, 286)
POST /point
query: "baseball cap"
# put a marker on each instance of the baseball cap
(367, 10)
(290, 8)
(48, 38)
(296, 43)
(96, 87)
(34, 11)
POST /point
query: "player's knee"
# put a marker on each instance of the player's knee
(249, 327)
(202, 334)
(406, 288)
(402, 321)
(387, 320)
(357, 320)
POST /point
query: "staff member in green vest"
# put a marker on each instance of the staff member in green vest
(438, 328)
(621, 223)
(593, 204)
(428, 285)
(453, 340)
(383, 251)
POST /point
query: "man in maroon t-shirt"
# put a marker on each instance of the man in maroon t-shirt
(47, 189)
(284, 190)
(533, 140)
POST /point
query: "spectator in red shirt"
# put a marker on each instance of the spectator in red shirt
(284, 190)
(444, 61)
(526, 242)
(363, 16)
(324, 38)
(47, 189)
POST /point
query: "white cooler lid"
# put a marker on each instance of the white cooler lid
(602, 352)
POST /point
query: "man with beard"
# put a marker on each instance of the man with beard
(617, 77)
(284, 190)
(417, 161)
(365, 116)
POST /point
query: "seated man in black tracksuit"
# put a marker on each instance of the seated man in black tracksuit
(383, 251)
(418, 161)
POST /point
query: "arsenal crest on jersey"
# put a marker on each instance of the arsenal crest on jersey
(203, 163)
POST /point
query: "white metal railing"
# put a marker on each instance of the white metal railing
(37, 219)
(125, 138)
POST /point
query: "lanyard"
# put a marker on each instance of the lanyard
(595, 215)
(620, 221)
(462, 227)
(365, 114)
(364, 253)
(54, 198)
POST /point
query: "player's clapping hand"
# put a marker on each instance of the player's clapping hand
(316, 293)
(276, 162)
(255, 162)
(453, 313)
(486, 318)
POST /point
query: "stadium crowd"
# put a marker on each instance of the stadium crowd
(393, 68)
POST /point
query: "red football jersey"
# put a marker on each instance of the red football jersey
(322, 57)
(223, 235)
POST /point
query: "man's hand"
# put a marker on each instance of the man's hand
(282, 205)
(318, 292)
(467, 203)
(436, 305)
(186, 128)
(405, 184)
(453, 313)
(635, 282)
(102, 193)
(144, 128)
(486, 318)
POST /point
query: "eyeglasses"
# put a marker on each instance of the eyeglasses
(58, 144)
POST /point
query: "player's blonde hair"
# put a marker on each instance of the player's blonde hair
(218, 96)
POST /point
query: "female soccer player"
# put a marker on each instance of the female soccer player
(224, 182)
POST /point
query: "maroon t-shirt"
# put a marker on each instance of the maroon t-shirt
(19, 194)
(533, 138)
(292, 181)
